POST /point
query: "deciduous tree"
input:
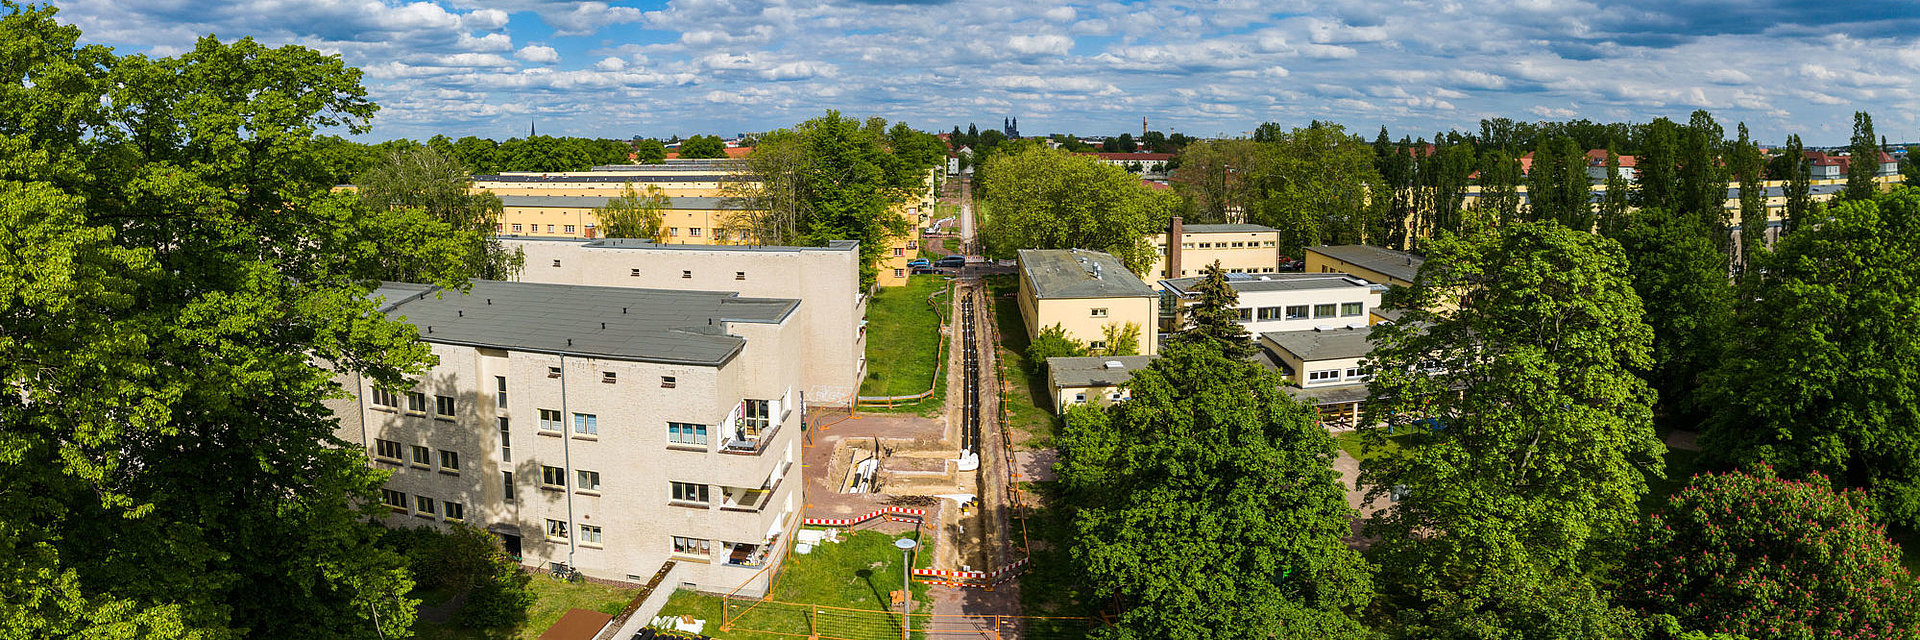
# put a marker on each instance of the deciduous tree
(425, 179)
(1864, 159)
(634, 213)
(1039, 198)
(1682, 282)
(707, 146)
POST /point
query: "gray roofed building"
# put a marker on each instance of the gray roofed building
(1395, 264)
(647, 325)
(1079, 273)
(594, 202)
(1092, 371)
(1319, 344)
(612, 179)
(1223, 228)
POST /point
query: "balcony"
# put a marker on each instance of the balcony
(752, 425)
(754, 500)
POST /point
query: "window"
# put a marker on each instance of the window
(549, 420)
(667, 382)
(556, 530)
(1269, 313)
(506, 441)
(635, 273)
(589, 231)
(691, 546)
(739, 275)
(719, 235)
(386, 399)
(450, 461)
(1079, 398)
(685, 274)
(416, 402)
(1097, 345)
(553, 477)
(1354, 373)
(1297, 312)
(589, 534)
(567, 228)
(1350, 309)
(897, 251)
(1243, 314)
(422, 456)
(609, 377)
(695, 232)
(556, 262)
(682, 433)
(506, 482)
(394, 499)
(1098, 313)
(443, 406)
(500, 391)
(1206, 245)
(755, 417)
(689, 492)
(586, 424)
(1323, 376)
(1324, 310)
(423, 505)
(1238, 245)
(516, 227)
(673, 232)
(589, 480)
(455, 511)
(899, 273)
(553, 372)
(386, 449)
(550, 230)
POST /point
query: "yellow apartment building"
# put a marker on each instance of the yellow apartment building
(1374, 264)
(686, 220)
(1187, 249)
(1084, 292)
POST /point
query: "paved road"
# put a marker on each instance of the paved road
(966, 211)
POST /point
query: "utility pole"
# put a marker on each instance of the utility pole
(906, 546)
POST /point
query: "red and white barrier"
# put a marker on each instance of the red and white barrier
(848, 522)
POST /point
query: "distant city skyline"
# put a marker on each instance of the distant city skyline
(487, 68)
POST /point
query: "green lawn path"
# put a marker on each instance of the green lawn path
(859, 572)
(903, 341)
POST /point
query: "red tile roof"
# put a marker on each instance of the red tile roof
(1140, 157)
(1598, 158)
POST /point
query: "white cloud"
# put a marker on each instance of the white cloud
(610, 64)
(538, 54)
(1054, 44)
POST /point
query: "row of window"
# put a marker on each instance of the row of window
(1353, 374)
(589, 534)
(416, 403)
(422, 456)
(718, 235)
(1299, 312)
(1186, 272)
(424, 506)
(1250, 244)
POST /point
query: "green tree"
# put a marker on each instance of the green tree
(479, 155)
(1121, 339)
(1513, 367)
(1205, 503)
(1557, 188)
(633, 214)
(428, 180)
(1798, 187)
(1214, 317)
(1756, 554)
(1656, 179)
(1864, 160)
(1317, 188)
(1681, 279)
(178, 313)
(1214, 177)
(1039, 198)
(649, 151)
(1499, 190)
(708, 146)
(1702, 178)
(1616, 204)
(1746, 160)
(1052, 342)
(1815, 377)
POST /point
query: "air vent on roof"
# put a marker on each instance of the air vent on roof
(1264, 278)
(1325, 327)
(1356, 281)
(1115, 364)
(1357, 325)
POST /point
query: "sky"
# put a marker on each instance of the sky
(1205, 68)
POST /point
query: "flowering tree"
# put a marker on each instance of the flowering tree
(1755, 554)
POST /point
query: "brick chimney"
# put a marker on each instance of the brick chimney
(1174, 231)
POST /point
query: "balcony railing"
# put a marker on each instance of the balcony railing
(735, 443)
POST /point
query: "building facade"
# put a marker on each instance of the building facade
(607, 429)
(1187, 249)
(1390, 267)
(1085, 292)
(826, 281)
(1283, 301)
(1095, 380)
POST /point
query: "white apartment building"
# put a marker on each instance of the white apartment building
(826, 281)
(1284, 301)
(610, 429)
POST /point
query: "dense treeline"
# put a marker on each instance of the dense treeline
(346, 159)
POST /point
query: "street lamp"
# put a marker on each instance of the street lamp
(906, 546)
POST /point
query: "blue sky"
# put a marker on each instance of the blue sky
(618, 69)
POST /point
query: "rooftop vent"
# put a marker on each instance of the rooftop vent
(1114, 364)
(1325, 327)
(1357, 325)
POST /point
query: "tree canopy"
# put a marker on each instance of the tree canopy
(1039, 198)
(707, 146)
(633, 213)
(1214, 317)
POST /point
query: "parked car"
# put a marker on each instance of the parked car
(951, 261)
(918, 263)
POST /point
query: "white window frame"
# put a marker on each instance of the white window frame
(1324, 375)
(587, 480)
(586, 424)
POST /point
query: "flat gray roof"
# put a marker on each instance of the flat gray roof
(593, 202)
(1092, 371)
(1223, 228)
(699, 177)
(1314, 344)
(1396, 264)
(642, 243)
(1274, 282)
(677, 166)
(1071, 273)
(1330, 394)
(646, 325)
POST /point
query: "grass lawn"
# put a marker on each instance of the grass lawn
(859, 572)
(1048, 589)
(903, 340)
(1031, 423)
(554, 598)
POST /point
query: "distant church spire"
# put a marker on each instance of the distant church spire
(531, 131)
